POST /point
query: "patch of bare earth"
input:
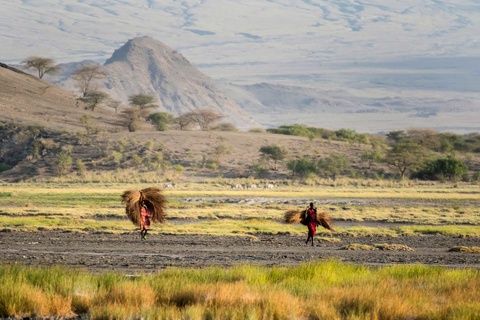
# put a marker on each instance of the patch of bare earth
(127, 253)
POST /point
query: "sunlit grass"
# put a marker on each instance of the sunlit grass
(192, 208)
(221, 227)
(319, 290)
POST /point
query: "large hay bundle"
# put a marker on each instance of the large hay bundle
(294, 216)
(323, 219)
(153, 199)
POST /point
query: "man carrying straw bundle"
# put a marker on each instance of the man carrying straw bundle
(310, 218)
(144, 206)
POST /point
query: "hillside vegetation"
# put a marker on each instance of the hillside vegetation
(47, 133)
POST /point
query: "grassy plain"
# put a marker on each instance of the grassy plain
(326, 290)
(203, 207)
(319, 290)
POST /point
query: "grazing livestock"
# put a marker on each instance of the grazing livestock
(268, 186)
(236, 186)
(250, 186)
(168, 185)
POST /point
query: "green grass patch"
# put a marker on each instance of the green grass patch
(317, 290)
(447, 230)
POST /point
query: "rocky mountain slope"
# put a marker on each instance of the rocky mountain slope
(147, 66)
(400, 64)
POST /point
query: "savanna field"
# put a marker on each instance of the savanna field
(399, 251)
(404, 204)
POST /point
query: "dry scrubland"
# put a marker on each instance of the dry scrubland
(307, 290)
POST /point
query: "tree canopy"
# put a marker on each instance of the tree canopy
(42, 65)
(275, 153)
(93, 98)
(85, 77)
(142, 100)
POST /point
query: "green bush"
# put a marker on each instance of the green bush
(4, 167)
(445, 168)
(64, 164)
(161, 120)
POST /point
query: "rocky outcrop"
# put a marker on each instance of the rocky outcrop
(145, 65)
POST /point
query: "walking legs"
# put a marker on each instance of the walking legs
(308, 239)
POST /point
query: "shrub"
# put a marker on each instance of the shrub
(225, 127)
(301, 167)
(64, 164)
(81, 168)
(446, 168)
(4, 167)
(161, 120)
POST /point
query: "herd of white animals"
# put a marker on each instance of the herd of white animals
(252, 186)
(233, 186)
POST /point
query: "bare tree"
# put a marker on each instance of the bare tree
(205, 118)
(42, 65)
(86, 75)
(184, 121)
(115, 104)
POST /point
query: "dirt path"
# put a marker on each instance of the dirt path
(126, 253)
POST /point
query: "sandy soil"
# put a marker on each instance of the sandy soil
(127, 253)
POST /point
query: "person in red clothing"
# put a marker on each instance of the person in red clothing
(145, 216)
(311, 222)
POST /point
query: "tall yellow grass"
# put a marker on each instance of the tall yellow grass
(321, 290)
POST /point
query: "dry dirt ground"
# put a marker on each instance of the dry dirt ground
(126, 253)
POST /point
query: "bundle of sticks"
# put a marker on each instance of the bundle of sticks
(295, 216)
(151, 197)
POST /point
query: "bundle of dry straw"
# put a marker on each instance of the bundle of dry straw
(151, 197)
(294, 216)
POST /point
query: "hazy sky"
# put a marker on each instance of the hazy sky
(242, 40)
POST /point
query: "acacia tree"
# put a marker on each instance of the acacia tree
(275, 153)
(396, 136)
(372, 156)
(184, 121)
(205, 118)
(86, 75)
(142, 100)
(134, 116)
(333, 165)
(42, 65)
(93, 98)
(427, 138)
(404, 156)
